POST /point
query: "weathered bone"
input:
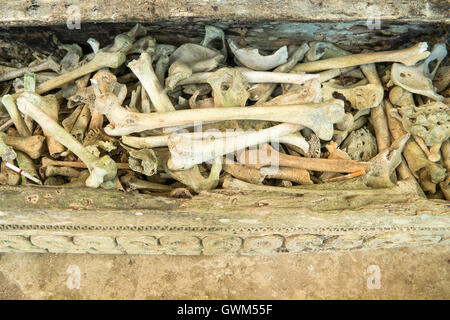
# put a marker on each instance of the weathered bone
(229, 88)
(407, 56)
(361, 95)
(324, 50)
(32, 145)
(137, 31)
(314, 164)
(74, 164)
(161, 67)
(26, 164)
(360, 145)
(51, 171)
(212, 33)
(418, 79)
(146, 142)
(134, 183)
(252, 59)
(257, 175)
(11, 107)
(434, 156)
(333, 73)
(196, 56)
(429, 121)
(192, 177)
(101, 169)
(414, 156)
(144, 44)
(262, 91)
(384, 164)
(377, 115)
(51, 108)
(50, 63)
(72, 57)
(319, 117)
(255, 77)
(143, 161)
(143, 69)
(442, 78)
(94, 44)
(100, 60)
(8, 176)
(296, 175)
(310, 92)
(188, 150)
(6, 152)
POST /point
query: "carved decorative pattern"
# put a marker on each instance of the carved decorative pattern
(188, 244)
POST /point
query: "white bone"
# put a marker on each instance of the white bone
(143, 69)
(255, 77)
(251, 58)
(188, 150)
(318, 117)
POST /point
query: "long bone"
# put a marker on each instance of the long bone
(252, 59)
(377, 115)
(134, 183)
(124, 122)
(143, 69)
(101, 60)
(257, 175)
(187, 152)
(74, 164)
(333, 73)
(146, 142)
(418, 79)
(50, 63)
(408, 56)
(162, 141)
(101, 169)
(314, 164)
(262, 91)
(51, 171)
(255, 77)
(27, 166)
(102, 82)
(51, 108)
(15, 115)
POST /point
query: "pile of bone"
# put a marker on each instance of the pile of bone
(166, 120)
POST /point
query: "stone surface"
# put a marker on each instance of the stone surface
(405, 273)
